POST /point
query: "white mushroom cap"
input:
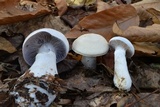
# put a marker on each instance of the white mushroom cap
(39, 37)
(125, 43)
(90, 45)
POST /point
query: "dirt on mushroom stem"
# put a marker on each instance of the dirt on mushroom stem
(51, 84)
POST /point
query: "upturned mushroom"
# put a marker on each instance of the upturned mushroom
(38, 86)
(123, 48)
(90, 46)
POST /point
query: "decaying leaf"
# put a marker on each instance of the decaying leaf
(147, 48)
(106, 100)
(146, 77)
(81, 82)
(73, 16)
(5, 45)
(18, 56)
(102, 21)
(149, 100)
(141, 34)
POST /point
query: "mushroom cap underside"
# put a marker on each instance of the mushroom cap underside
(42, 36)
(123, 42)
(90, 45)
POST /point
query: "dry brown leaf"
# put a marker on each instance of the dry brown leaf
(140, 34)
(101, 5)
(142, 6)
(116, 29)
(143, 14)
(62, 6)
(156, 15)
(148, 4)
(11, 12)
(120, 26)
(102, 22)
(133, 21)
(147, 48)
(6, 45)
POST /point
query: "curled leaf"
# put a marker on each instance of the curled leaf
(140, 34)
(142, 7)
(156, 15)
(143, 14)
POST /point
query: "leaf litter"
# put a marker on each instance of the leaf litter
(84, 87)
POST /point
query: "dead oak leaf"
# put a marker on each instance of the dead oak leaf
(102, 22)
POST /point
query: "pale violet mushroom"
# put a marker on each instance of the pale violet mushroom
(123, 48)
(90, 46)
(42, 49)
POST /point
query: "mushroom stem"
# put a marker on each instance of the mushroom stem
(122, 79)
(45, 62)
(89, 62)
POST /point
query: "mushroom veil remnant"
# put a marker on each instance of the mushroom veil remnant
(123, 48)
(42, 49)
(90, 46)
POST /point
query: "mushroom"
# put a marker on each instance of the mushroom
(123, 48)
(42, 49)
(90, 46)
